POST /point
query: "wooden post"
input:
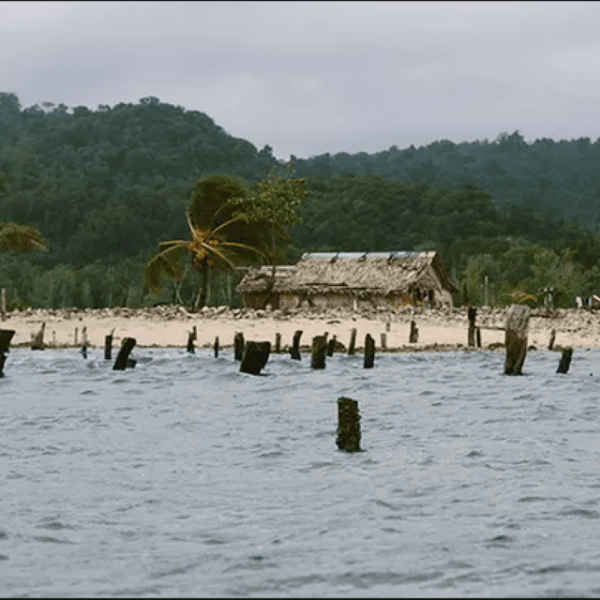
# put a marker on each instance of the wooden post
(75, 337)
(5, 337)
(352, 341)
(552, 338)
(348, 430)
(255, 357)
(383, 341)
(217, 347)
(517, 328)
(369, 352)
(108, 345)
(278, 342)
(565, 360)
(122, 358)
(192, 335)
(3, 304)
(388, 325)
(331, 346)
(238, 345)
(478, 332)
(414, 333)
(318, 350)
(472, 314)
(37, 339)
(295, 351)
(85, 343)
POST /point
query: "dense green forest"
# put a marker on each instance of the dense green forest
(105, 186)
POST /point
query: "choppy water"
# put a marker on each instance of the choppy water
(185, 477)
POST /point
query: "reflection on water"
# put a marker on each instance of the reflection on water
(185, 477)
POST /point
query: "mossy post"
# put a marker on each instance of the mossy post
(37, 339)
(515, 340)
(108, 339)
(413, 337)
(472, 315)
(565, 360)
(238, 345)
(123, 360)
(216, 346)
(295, 350)
(5, 337)
(352, 343)
(255, 357)
(369, 352)
(348, 429)
(192, 336)
(318, 350)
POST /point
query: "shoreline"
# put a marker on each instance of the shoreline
(169, 326)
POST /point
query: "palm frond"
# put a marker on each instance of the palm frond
(164, 264)
(20, 237)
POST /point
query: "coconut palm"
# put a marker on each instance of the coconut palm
(208, 248)
(15, 237)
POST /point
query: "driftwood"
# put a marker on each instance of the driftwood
(517, 328)
(348, 430)
(255, 357)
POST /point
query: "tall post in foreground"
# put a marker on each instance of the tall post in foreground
(352, 341)
(369, 352)
(122, 358)
(414, 333)
(348, 430)
(108, 344)
(565, 360)
(472, 314)
(318, 350)
(238, 346)
(515, 340)
(255, 357)
(295, 351)
(5, 337)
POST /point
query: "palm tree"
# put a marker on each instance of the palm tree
(207, 248)
(15, 237)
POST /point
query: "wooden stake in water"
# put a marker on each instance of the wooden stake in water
(331, 346)
(552, 338)
(37, 339)
(369, 352)
(192, 335)
(122, 361)
(295, 350)
(278, 342)
(108, 345)
(565, 360)
(413, 338)
(472, 314)
(255, 357)
(5, 337)
(517, 329)
(217, 347)
(318, 350)
(238, 346)
(348, 430)
(352, 343)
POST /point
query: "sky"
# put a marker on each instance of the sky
(307, 78)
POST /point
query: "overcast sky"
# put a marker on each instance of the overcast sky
(313, 77)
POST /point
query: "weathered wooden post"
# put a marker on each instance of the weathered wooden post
(472, 314)
(318, 350)
(122, 358)
(255, 357)
(278, 342)
(37, 339)
(295, 350)
(383, 341)
(75, 337)
(3, 304)
(552, 338)
(108, 344)
(388, 325)
(331, 346)
(216, 346)
(85, 343)
(515, 340)
(238, 345)
(352, 343)
(348, 430)
(565, 360)
(478, 332)
(192, 335)
(5, 337)
(414, 333)
(369, 352)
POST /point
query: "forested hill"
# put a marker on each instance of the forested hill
(105, 186)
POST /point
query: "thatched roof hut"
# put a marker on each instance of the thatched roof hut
(330, 279)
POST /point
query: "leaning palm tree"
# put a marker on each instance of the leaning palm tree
(15, 237)
(208, 248)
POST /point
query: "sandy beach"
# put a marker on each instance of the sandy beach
(168, 326)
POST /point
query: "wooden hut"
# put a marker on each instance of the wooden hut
(351, 280)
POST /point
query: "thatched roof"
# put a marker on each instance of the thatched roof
(357, 273)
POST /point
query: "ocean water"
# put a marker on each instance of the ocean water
(183, 477)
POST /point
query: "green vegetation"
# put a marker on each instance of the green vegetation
(106, 187)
